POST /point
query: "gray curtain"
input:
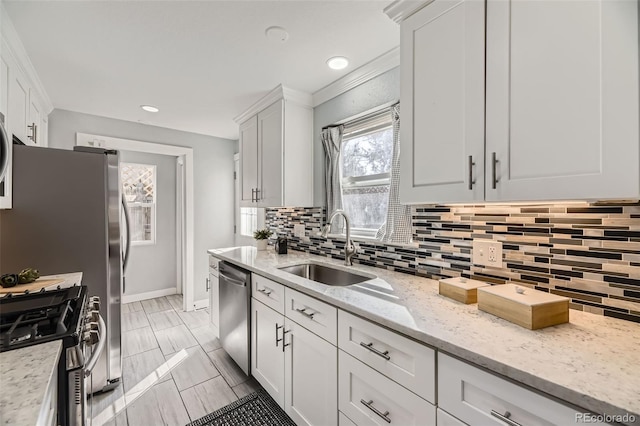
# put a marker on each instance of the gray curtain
(397, 228)
(332, 143)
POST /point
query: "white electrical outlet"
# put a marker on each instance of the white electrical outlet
(298, 231)
(487, 253)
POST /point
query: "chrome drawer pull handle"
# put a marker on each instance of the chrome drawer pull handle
(277, 339)
(264, 291)
(494, 164)
(505, 418)
(369, 346)
(284, 344)
(305, 313)
(375, 410)
(471, 180)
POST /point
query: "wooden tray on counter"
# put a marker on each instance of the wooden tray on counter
(32, 287)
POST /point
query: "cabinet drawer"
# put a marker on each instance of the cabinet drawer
(213, 266)
(445, 419)
(399, 358)
(344, 420)
(268, 292)
(472, 395)
(367, 397)
(312, 314)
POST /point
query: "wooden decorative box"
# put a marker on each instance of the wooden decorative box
(524, 306)
(461, 289)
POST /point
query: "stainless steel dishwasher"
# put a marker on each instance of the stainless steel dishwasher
(235, 296)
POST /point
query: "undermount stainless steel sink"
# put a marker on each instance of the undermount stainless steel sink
(326, 274)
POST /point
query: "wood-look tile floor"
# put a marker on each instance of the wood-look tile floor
(174, 370)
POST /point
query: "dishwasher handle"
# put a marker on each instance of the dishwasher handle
(234, 281)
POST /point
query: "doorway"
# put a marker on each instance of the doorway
(182, 158)
(149, 185)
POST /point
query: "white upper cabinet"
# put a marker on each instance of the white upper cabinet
(249, 159)
(562, 100)
(560, 92)
(271, 153)
(442, 93)
(276, 149)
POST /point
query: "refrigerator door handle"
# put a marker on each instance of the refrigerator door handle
(4, 151)
(125, 257)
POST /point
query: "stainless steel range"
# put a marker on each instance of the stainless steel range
(69, 315)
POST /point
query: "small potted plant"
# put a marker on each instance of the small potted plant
(261, 236)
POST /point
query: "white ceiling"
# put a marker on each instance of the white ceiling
(201, 62)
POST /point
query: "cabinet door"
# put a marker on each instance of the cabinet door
(43, 132)
(562, 100)
(4, 88)
(270, 134)
(267, 356)
(248, 160)
(18, 107)
(442, 93)
(34, 123)
(311, 377)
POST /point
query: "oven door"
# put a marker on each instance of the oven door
(81, 361)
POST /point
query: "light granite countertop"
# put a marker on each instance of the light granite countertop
(592, 362)
(25, 376)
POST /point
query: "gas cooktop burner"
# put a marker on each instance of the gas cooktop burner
(41, 317)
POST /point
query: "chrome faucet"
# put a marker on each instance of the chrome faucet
(349, 248)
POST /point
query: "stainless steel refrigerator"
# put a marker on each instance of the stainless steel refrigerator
(66, 217)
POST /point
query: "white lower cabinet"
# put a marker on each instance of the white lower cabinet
(267, 356)
(295, 366)
(405, 361)
(311, 377)
(344, 420)
(445, 419)
(367, 397)
(479, 398)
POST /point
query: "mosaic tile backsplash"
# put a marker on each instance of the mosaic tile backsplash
(589, 253)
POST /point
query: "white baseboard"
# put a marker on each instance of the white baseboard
(128, 298)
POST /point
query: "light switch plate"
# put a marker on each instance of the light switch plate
(298, 231)
(487, 253)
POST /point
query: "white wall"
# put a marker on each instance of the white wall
(213, 174)
(375, 92)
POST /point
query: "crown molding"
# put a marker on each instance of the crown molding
(400, 10)
(12, 43)
(379, 65)
(280, 92)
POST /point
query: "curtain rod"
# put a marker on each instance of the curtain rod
(367, 115)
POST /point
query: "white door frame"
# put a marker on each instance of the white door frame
(184, 193)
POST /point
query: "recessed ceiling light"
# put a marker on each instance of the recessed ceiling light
(149, 108)
(277, 34)
(337, 62)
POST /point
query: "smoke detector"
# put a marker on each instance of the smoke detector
(276, 34)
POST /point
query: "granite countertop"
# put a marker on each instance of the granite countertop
(591, 362)
(25, 376)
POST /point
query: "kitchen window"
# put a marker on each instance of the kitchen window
(367, 149)
(248, 221)
(139, 185)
